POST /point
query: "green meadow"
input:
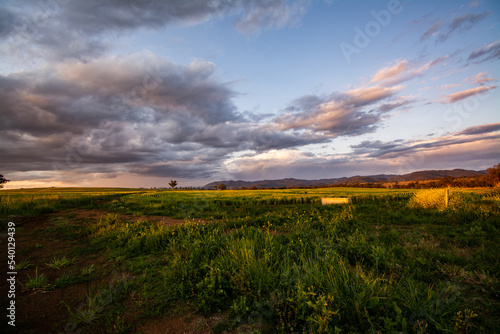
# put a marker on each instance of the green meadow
(255, 261)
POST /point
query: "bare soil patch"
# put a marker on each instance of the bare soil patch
(48, 310)
(185, 324)
(96, 214)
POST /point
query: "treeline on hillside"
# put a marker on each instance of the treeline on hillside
(492, 179)
(450, 181)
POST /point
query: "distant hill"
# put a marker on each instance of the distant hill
(437, 174)
(291, 182)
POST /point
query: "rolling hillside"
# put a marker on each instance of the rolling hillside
(291, 182)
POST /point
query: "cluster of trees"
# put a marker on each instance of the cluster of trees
(360, 185)
(220, 186)
(448, 181)
(492, 179)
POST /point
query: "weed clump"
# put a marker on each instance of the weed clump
(429, 199)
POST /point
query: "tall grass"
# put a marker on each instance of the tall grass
(35, 202)
(380, 264)
(314, 268)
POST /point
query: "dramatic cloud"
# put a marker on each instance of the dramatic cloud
(465, 149)
(142, 114)
(488, 52)
(451, 98)
(274, 164)
(339, 113)
(85, 29)
(7, 21)
(139, 113)
(81, 102)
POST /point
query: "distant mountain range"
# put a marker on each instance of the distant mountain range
(290, 182)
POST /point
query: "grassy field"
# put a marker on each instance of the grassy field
(254, 261)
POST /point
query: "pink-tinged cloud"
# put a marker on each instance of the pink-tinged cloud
(479, 79)
(449, 86)
(338, 114)
(390, 73)
(478, 143)
(451, 98)
(403, 71)
(472, 147)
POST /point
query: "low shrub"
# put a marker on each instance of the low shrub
(429, 199)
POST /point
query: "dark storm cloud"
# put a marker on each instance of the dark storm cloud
(137, 113)
(7, 21)
(96, 15)
(78, 95)
(86, 29)
(265, 138)
(174, 171)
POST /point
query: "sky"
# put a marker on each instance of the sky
(136, 93)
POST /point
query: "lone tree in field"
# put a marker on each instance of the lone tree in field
(222, 186)
(172, 184)
(3, 180)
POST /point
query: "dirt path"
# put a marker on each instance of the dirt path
(41, 239)
(96, 214)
